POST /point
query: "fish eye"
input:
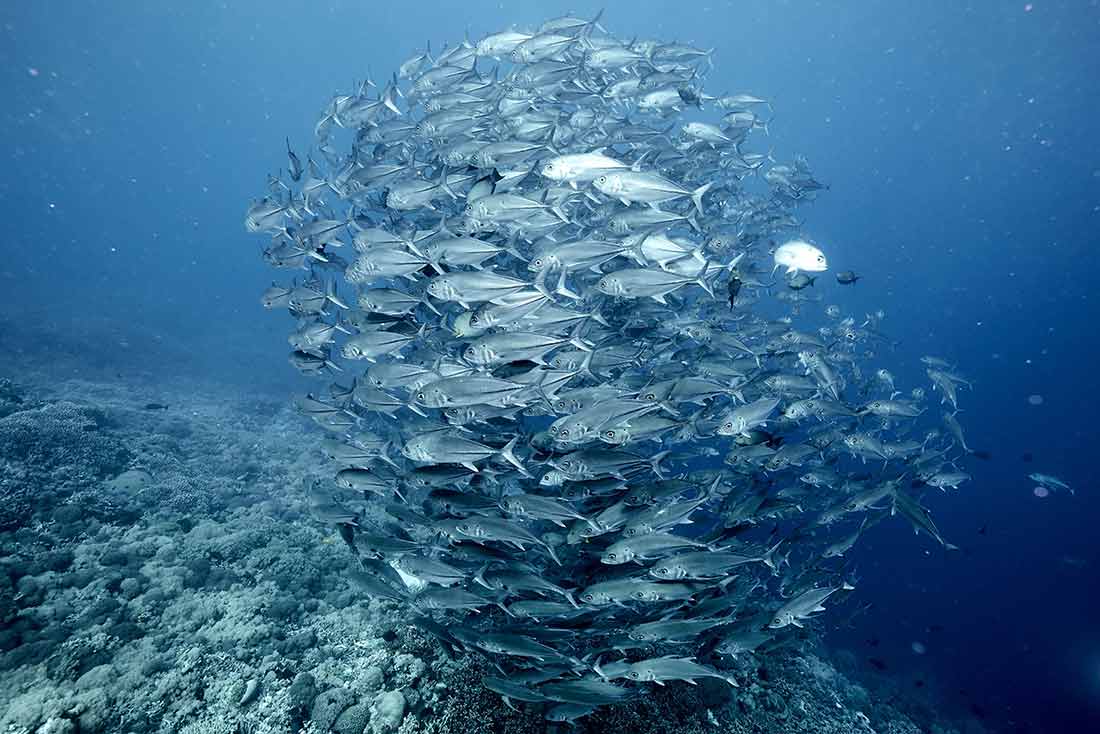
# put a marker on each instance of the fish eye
(609, 434)
(728, 424)
(602, 179)
(419, 395)
(587, 597)
(612, 556)
(634, 675)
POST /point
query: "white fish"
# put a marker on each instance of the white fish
(798, 256)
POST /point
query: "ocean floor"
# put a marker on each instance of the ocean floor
(160, 572)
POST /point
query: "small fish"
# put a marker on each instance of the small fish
(295, 164)
(847, 277)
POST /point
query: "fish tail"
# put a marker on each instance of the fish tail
(697, 197)
(507, 455)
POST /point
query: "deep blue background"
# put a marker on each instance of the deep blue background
(963, 150)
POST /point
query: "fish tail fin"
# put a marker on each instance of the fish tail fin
(563, 290)
(697, 197)
(387, 96)
(701, 280)
(655, 463)
(586, 366)
(445, 186)
(769, 559)
(594, 23)
(332, 297)
(428, 303)
(507, 455)
(510, 248)
(551, 553)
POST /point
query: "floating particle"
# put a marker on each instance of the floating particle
(919, 648)
(1035, 399)
(1041, 492)
(31, 71)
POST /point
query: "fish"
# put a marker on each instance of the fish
(295, 163)
(669, 668)
(808, 603)
(1050, 482)
(579, 431)
(798, 256)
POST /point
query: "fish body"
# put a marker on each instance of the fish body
(798, 256)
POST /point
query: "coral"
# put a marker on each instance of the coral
(158, 624)
(11, 397)
(353, 720)
(51, 452)
(328, 705)
(387, 712)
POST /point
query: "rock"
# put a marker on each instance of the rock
(329, 704)
(251, 691)
(373, 678)
(302, 690)
(389, 710)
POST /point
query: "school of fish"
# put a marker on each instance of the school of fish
(587, 420)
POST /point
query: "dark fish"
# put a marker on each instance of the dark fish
(295, 164)
(733, 288)
(847, 277)
(878, 663)
(155, 406)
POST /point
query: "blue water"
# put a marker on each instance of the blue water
(961, 144)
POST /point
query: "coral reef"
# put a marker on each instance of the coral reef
(205, 600)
